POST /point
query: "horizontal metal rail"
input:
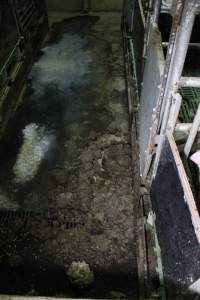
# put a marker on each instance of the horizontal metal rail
(184, 127)
(191, 45)
(189, 82)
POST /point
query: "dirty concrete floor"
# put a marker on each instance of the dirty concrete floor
(80, 202)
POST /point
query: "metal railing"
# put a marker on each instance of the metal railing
(168, 102)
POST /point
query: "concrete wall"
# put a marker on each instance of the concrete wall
(76, 5)
(63, 5)
(107, 5)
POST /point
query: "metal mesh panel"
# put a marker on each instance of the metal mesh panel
(26, 13)
(191, 100)
(135, 30)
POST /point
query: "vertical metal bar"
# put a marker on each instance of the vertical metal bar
(134, 70)
(141, 11)
(15, 16)
(170, 52)
(133, 16)
(188, 195)
(174, 111)
(147, 30)
(156, 13)
(193, 133)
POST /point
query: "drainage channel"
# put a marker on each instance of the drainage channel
(52, 218)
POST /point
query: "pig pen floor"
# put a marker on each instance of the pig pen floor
(66, 179)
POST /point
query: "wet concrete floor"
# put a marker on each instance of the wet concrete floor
(66, 181)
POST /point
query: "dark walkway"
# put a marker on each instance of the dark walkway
(66, 163)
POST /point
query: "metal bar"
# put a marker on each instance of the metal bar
(142, 259)
(141, 11)
(189, 198)
(166, 7)
(27, 14)
(10, 56)
(15, 16)
(184, 127)
(156, 13)
(132, 17)
(175, 55)
(147, 30)
(189, 82)
(193, 133)
(191, 45)
(134, 68)
(174, 111)
(28, 21)
(25, 11)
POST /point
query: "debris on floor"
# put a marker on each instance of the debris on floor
(80, 275)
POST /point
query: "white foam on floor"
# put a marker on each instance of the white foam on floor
(62, 64)
(36, 145)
